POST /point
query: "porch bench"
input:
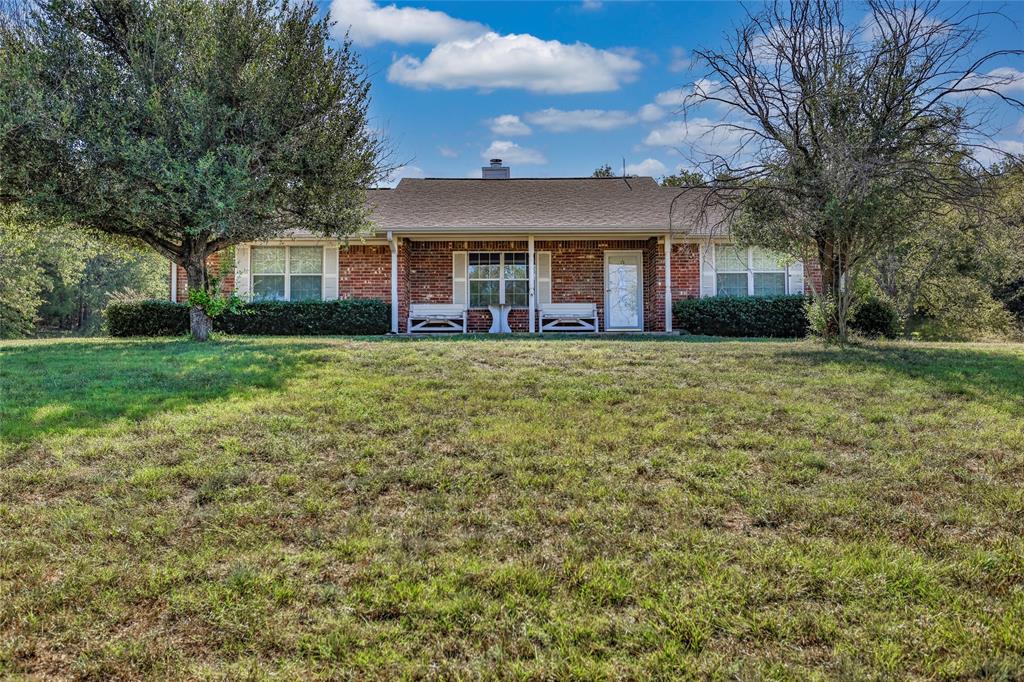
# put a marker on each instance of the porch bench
(437, 318)
(568, 317)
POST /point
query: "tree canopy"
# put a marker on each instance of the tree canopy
(849, 135)
(189, 126)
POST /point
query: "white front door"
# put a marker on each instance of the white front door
(623, 283)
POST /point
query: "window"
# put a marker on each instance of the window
(748, 272)
(492, 273)
(287, 273)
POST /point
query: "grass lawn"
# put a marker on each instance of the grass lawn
(512, 508)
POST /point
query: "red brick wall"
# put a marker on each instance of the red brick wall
(685, 271)
(364, 271)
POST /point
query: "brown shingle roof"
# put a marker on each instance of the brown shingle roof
(543, 204)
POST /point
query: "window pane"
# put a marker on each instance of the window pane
(483, 293)
(268, 287)
(517, 293)
(268, 260)
(732, 284)
(730, 259)
(515, 271)
(765, 260)
(484, 258)
(769, 283)
(305, 260)
(484, 271)
(306, 287)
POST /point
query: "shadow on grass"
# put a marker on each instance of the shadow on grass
(54, 387)
(967, 373)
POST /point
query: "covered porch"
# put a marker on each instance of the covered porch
(626, 283)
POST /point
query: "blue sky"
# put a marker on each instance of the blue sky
(559, 88)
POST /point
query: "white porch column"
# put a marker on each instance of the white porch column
(531, 287)
(174, 282)
(668, 282)
(393, 243)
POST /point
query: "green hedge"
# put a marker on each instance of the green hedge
(777, 316)
(271, 318)
(147, 318)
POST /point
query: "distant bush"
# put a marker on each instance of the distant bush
(268, 318)
(876, 316)
(776, 316)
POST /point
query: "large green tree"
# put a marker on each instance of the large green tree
(849, 134)
(187, 125)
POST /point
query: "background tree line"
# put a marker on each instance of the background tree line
(58, 280)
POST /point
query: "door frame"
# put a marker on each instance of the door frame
(639, 287)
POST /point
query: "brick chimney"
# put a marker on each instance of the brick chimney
(496, 171)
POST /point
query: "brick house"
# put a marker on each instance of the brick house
(508, 248)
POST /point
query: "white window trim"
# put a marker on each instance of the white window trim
(287, 269)
(750, 271)
(500, 279)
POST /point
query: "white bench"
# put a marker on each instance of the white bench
(437, 318)
(568, 317)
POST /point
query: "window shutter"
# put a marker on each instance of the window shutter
(707, 270)
(459, 263)
(330, 273)
(243, 278)
(543, 277)
(795, 278)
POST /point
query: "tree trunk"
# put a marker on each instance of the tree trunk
(200, 324)
(832, 292)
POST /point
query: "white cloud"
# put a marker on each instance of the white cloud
(561, 121)
(592, 5)
(510, 152)
(650, 112)
(680, 61)
(696, 131)
(1020, 127)
(671, 98)
(1015, 147)
(492, 61)
(997, 151)
(1005, 80)
(447, 152)
(369, 23)
(681, 96)
(508, 124)
(650, 167)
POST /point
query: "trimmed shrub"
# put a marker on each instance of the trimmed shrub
(270, 318)
(147, 318)
(876, 316)
(345, 317)
(776, 316)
